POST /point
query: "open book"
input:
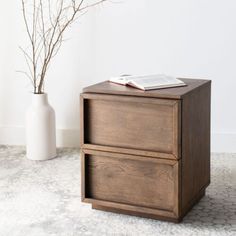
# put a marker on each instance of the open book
(148, 82)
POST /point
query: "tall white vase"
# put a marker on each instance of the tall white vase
(40, 129)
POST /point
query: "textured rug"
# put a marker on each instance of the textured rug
(43, 198)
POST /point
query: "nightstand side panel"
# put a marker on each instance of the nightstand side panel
(195, 144)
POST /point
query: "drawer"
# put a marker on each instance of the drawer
(128, 180)
(134, 123)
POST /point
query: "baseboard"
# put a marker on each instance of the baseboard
(14, 135)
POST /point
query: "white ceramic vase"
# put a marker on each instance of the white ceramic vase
(40, 129)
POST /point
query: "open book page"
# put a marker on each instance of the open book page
(155, 81)
(148, 82)
(120, 80)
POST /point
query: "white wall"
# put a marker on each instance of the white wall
(71, 70)
(185, 38)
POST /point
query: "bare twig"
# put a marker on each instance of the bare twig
(27, 75)
(28, 61)
(45, 30)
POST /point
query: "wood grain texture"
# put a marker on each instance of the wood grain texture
(129, 151)
(83, 175)
(133, 123)
(157, 214)
(195, 144)
(132, 180)
(144, 155)
(136, 209)
(172, 93)
(144, 212)
(82, 115)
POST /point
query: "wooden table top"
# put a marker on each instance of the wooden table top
(107, 87)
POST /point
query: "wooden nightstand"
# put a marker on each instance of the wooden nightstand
(145, 153)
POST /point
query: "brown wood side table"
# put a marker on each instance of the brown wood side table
(145, 153)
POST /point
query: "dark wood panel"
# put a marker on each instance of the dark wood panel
(127, 179)
(143, 212)
(157, 169)
(125, 122)
(173, 93)
(157, 215)
(129, 151)
(83, 114)
(195, 144)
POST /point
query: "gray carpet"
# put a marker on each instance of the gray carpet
(43, 198)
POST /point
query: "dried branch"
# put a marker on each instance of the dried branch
(26, 21)
(45, 30)
(27, 75)
(28, 60)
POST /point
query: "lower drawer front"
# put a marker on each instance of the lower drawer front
(133, 180)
